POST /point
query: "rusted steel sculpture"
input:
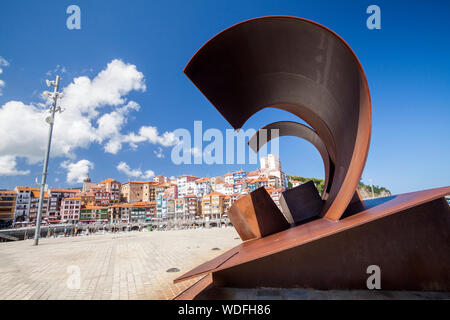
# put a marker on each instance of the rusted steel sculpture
(256, 215)
(306, 69)
(295, 129)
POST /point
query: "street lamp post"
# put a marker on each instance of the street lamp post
(50, 120)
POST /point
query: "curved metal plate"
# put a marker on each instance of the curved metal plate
(299, 66)
(295, 129)
(374, 209)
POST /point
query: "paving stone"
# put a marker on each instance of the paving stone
(130, 265)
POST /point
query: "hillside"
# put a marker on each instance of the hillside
(365, 190)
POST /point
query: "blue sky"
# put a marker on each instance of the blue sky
(406, 63)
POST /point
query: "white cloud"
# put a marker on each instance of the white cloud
(58, 70)
(111, 124)
(159, 153)
(124, 168)
(150, 134)
(24, 131)
(78, 171)
(95, 111)
(8, 166)
(109, 87)
(149, 174)
(3, 63)
(135, 173)
(196, 152)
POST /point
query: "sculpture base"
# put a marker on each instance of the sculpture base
(224, 293)
(406, 236)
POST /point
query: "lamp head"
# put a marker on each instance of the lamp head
(49, 120)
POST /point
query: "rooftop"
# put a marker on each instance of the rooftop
(65, 190)
(7, 192)
(108, 181)
(72, 198)
(214, 194)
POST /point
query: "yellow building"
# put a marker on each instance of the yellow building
(7, 205)
(213, 204)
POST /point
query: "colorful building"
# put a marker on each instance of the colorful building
(101, 196)
(119, 213)
(186, 185)
(238, 176)
(70, 209)
(7, 206)
(192, 206)
(132, 191)
(34, 205)
(213, 205)
(170, 208)
(23, 202)
(87, 198)
(112, 187)
(275, 194)
(56, 197)
(202, 187)
(91, 214)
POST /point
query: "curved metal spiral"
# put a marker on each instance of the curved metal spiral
(299, 66)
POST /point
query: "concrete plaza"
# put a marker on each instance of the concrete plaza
(129, 265)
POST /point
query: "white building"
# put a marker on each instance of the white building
(202, 187)
(271, 166)
(186, 185)
(23, 203)
(295, 183)
(220, 187)
(87, 184)
(229, 189)
(228, 178)
(271, 162)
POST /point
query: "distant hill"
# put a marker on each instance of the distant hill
(365, 190)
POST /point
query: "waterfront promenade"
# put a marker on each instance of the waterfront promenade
(126, 265)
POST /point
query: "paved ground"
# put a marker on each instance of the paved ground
(112, 266)
(133, 265)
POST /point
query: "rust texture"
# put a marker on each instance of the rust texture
(375, 209)
(301, 67)
(255, 215)
(302, 203)
(411, 248)
(324, 242)
(295, 129)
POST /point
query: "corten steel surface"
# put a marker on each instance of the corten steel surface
(302, 203)
(411, 248)
(304, 68)
(295, 129)
(255, 215)
(190, 293)
(299, 66)
(375, 209)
